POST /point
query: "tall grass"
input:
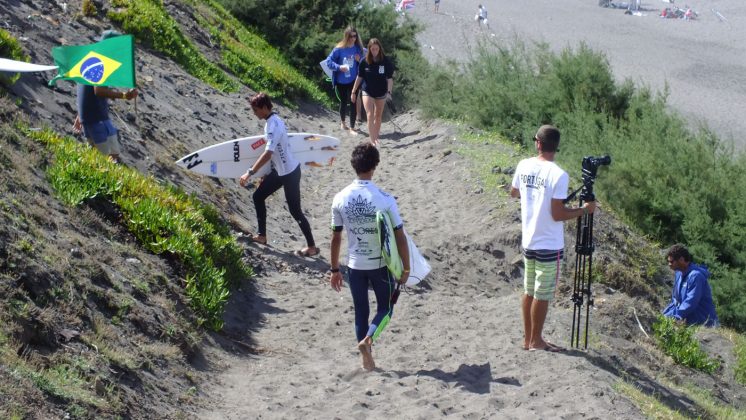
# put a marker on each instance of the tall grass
(671, 183)
(163, 219)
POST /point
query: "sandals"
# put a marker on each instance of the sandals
(308, 252)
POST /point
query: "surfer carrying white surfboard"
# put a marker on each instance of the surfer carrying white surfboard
(354, 211)
(285, 174)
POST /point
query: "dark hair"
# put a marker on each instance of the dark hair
(369, 57)
(260, 100)
(677, 251)
(549, 137)
(365, 158)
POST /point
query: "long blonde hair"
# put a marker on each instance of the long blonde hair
(346, 38)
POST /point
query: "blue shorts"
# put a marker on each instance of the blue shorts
(99, 132)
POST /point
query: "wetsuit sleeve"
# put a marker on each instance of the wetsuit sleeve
(696, 284)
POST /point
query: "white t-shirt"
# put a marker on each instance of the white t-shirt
(540, 181)
(278, 143)
(355, 208)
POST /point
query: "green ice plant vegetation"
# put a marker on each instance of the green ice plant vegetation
(678, 341)
(164, 220)
(151, 24)
(250, 58)
(670, 182)
(11, 49)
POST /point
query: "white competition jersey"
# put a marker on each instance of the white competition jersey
(276, 135)
(540, 181)
(355, 208)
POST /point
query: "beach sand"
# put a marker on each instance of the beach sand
(702, 62)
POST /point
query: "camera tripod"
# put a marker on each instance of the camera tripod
(583, 278)
(581, 291)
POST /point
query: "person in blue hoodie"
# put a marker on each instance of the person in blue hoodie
(691, 298)
(344, 62)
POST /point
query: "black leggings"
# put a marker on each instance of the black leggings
(345, 91)
(291, 184)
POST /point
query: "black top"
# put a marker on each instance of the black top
(375, 76)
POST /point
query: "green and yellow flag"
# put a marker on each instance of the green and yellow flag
(110, 62)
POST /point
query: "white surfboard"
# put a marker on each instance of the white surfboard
(14, 66)
(233, 158)
(418, 265)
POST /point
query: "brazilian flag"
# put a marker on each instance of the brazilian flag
(110, 62)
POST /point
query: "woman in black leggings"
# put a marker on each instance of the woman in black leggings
(285, 174)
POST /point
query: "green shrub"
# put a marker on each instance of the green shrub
(669, 182)
(10, 48)
(151, 24)
(89, 8)
(164, 220)
(678, 342)
(307, 30)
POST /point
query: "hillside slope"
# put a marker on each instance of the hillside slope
(104, 330)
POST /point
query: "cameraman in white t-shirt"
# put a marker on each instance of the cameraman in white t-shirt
(542, 187)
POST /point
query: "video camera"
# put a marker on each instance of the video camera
(590, 168)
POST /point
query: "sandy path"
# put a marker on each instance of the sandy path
(453, 347)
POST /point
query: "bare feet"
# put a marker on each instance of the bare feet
(365, 348)
(354, 131)
(260, 239)
(344, 126)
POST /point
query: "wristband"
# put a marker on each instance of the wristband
(334, 270)
(251, 172)
(405, 271)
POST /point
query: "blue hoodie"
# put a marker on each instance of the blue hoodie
(691, 298)
(340, 56)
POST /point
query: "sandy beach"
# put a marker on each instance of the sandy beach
(702, 61)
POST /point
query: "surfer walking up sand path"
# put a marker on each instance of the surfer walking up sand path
(354, 211)
(542, 187)
(285, 174)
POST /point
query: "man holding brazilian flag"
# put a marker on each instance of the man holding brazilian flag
(97, 67)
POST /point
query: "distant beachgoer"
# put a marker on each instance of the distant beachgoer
(354, 211)
(376, 78)
(481, 16)
(437, 5)
(285, 174)
(691, 297)
(93, 114)
(344, 61)
(542, 187)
